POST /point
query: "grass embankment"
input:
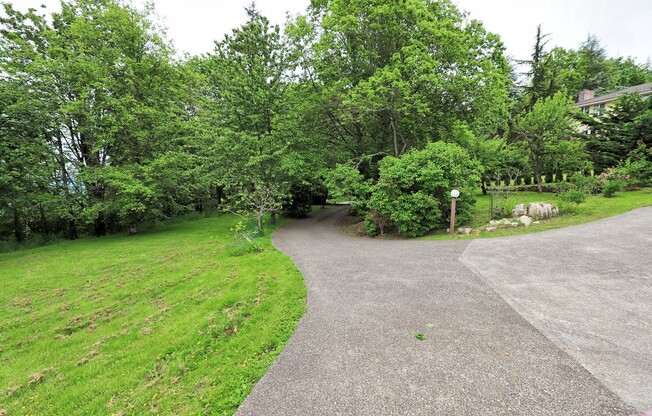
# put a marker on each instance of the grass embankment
(595, 208)
(163, 323)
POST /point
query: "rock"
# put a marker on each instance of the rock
(525, 220)
(465, 230)
(542, 210)
(490, 228)
(494, 222)
(513, 224)
(519, 210)
(536, 222)
(506, 221)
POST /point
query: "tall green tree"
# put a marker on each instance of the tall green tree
(26, 162)
(611, 136)
(394, 75)
(116, 102)
(594, 66)
(543, 131)
(627, 72)
(538, 74)
(248, 78)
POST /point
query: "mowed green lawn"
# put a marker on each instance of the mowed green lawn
(160, 323)
(595, 207)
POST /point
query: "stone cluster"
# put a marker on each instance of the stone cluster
(538, 210)
(521, 215)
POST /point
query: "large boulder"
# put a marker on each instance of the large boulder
(542, 210)
(525, 220)
(519, 210)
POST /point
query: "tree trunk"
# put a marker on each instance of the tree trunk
(99, 226)
(483, 185)
(272, 217)
(44, 227)
(391, 122)
(537, 178)
(18, 230)
(259, 220)
(72, 230)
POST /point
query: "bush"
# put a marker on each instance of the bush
(413, 192)
(319, 194)
(613, 180)
(610, 188)
(549, 188)
(637, 167)
(613, 175)
(570, 199)
(243, 240)
(376, 223)
(300, 203)
(587, 184)
(509, 205)
(345, 182)
(370, 226)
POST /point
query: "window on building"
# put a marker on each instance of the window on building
(598, 108)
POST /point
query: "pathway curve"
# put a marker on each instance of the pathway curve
(495, 344)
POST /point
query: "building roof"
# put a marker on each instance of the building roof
(643, 89)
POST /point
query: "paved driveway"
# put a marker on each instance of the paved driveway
(554, 323)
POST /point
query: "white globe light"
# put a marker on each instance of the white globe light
(455, 193)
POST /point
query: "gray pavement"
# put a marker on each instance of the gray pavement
(354, 352)
(589, 289)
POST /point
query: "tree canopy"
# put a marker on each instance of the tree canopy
(103, 129)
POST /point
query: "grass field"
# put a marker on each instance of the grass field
(160, 323)
(595, 208)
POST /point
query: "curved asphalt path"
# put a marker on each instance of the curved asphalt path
(552, 323)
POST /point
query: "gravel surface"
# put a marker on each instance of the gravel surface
(356, 350)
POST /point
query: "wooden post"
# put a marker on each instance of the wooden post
(452, 225)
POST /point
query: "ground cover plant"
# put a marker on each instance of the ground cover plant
(166, 322)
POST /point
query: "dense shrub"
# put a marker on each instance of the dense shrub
(637, 167)
(376, 223)
(551, 188)
(347, 183)
(610, 188)
(612, 175)
(370, 226)
(613, 180)
(587, 184)
(413, 191)
(571, 198)
(300, 202)
(319, 194)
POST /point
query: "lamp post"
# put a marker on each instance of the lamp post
(454, 194)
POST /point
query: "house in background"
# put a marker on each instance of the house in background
(590, 104)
